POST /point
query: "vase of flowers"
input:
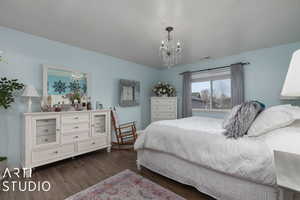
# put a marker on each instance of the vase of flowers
(74, 96)
(164, 90)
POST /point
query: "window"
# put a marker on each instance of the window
(211, 91)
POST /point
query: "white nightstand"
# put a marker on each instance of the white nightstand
(287, 166)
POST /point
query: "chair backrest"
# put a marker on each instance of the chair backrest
(115, 118)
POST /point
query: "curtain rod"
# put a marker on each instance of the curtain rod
(208, 69)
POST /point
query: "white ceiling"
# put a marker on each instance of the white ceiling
(132, 29)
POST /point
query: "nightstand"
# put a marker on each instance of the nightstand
(287, 166)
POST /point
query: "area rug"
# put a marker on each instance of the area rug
(126, 185)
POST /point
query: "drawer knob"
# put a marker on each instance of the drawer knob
(93, 143)
(76, 127)
(46, 140)
(76, 118)
(46, 130)
(76, 137)
(57, 129)
(56, 152)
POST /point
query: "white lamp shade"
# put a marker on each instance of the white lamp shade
(30, 91)
(291, 86)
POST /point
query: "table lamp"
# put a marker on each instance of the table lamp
(29, 92)
(291, 86)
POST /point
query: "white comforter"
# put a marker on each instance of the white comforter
(200, 140)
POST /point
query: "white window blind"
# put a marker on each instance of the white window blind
(211, 75)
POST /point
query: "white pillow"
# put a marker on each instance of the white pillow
(271, 119)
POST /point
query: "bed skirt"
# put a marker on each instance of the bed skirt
(210, 182)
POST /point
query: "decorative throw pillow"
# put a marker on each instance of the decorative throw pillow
(230, 116)
(271, 119)
(241, 118)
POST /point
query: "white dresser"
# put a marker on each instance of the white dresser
(163, 108)
(51, 136)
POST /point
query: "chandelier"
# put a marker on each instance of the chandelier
(170, 51)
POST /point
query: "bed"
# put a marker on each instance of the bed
(194, 151)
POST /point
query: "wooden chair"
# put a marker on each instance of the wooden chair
(125, 132)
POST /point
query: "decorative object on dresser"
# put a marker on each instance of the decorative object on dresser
(8, 89)
(164, 90)
(50, 137)
(129, 93)
(163, 108)
(126, 133)
(29, 92)
(99, 106)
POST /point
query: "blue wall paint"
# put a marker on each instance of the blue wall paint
(264, 77)
(25, 54)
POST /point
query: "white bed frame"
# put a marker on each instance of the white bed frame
(210, 182)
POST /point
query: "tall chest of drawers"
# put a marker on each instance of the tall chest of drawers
(163, 108)
(49, 137)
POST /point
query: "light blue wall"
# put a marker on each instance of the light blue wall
(25, 54)
(263, 77)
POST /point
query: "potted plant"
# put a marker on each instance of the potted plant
(8, 89)
(3, 165)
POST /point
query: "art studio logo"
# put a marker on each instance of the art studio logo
(22, 183)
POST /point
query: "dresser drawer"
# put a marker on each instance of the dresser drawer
(164, 102)
(75, 118)
(46, 130)
(91, 144)
(71, 138)
(166, 115)
(45, 139)
(163, 117)
(164, 108)
(45, 122)
(76, 127)
(44, 155)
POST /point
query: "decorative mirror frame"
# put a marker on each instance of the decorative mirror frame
(135, 85)
(45, 78)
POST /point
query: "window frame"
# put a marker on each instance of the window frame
(210, 78)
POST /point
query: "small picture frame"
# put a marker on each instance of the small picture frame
(129, 93)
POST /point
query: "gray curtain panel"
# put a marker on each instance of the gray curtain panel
(237, 84)
(187, 95)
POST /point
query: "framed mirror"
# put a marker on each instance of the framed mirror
(129, 93)
(60, 83)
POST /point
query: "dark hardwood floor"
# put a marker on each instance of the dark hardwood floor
(74, 175)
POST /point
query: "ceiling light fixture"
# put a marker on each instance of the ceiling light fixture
(169, 51)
